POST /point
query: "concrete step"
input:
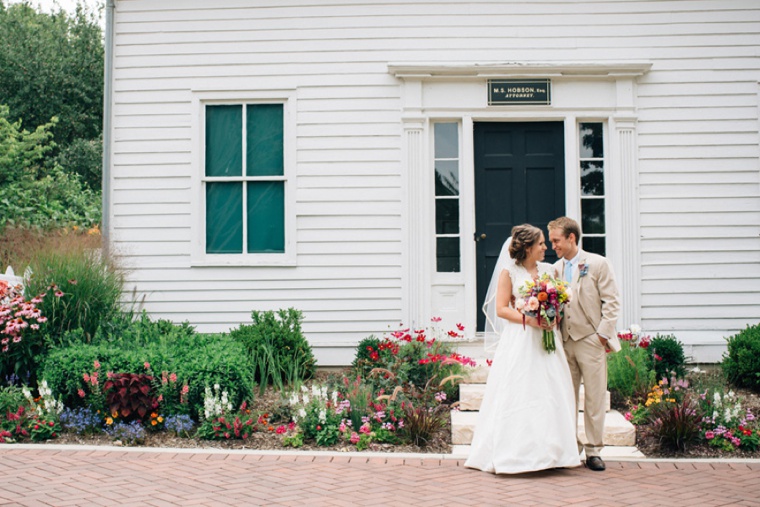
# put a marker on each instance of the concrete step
(609, 453)
(471, 396)
(617, 431)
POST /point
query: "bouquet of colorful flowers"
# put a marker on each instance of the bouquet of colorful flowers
(544, 299)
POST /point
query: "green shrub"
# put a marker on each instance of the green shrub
(741, 362)
(629, 372)
(667, 356)
(88, 287)
(277, 348)
(64, 367)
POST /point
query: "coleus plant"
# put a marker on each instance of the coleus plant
(129, 396)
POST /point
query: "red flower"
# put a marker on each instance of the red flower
(489, 362)
(658, 358)
(460, 327)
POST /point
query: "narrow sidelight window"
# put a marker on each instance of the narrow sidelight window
(447, 233)
(593, 225)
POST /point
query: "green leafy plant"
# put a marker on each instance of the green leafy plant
(277, 348)
(741, 362)
(411, 357)
(629, 372)
(667, 356)
(129, 396)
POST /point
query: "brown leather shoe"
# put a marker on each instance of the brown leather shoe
(596, 464)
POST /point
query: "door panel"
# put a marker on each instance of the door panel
(519, 178)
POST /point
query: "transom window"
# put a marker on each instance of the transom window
(447, 233)
(591, 149)
(244, 179)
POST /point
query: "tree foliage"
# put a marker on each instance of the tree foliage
(33, 195)
(52, 65)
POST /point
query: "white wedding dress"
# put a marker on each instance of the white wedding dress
(527, 420)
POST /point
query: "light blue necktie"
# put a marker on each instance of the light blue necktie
(568, 271)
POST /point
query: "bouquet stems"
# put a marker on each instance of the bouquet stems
(548, 339)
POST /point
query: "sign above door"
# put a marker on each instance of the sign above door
(513, 92)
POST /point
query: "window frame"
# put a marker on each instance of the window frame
(199, 256)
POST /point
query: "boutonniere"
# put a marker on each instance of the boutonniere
(582, 270)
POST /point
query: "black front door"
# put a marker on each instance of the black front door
(519, 178)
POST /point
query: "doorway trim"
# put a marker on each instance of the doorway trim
(458, 92)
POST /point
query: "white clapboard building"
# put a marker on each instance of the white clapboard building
(363, 161)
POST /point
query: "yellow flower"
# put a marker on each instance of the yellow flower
(109, 421)
(160, 419)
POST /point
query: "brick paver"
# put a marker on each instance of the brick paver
(31, 476)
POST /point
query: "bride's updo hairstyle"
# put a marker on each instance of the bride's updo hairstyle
(523, 237)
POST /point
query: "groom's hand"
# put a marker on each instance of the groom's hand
(604, 341)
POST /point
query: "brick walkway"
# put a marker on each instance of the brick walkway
(68, 476)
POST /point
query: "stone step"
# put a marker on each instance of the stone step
(471, 396)
(617, 431)
(608, 453)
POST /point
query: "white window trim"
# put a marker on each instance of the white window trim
(202, 98)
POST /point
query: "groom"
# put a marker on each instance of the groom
(588, 327)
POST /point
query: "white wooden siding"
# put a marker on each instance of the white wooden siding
(697, 138)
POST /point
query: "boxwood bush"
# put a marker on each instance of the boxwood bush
(741, 362)
(667, 356)
(197, 359)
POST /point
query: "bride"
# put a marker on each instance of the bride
(527, 419)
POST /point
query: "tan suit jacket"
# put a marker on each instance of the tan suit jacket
(595, 300)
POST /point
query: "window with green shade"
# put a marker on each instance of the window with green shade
(591, 160)
(446, 188)
(244, 179)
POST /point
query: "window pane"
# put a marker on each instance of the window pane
(447, 216)
(264, 140)
(447, 177)
(266, 217)
(591, 142)
(595, 245)
(592, 212)
(224, 218)
(224, 141)
(446, 140)
(447, 255)
(592, 178)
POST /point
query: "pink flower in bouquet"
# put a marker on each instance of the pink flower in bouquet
(533, 303)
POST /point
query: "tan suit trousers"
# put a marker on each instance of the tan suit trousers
(588, 362)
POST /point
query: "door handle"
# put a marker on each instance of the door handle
(479, 237)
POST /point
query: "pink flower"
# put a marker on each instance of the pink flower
(365, 428)
(80, 392)
(709, 435)
(281, 429)
(460, 327)
(96, 364)
(355, 438)
(86, 377)
(436, 319)
(147, 365)
(628, 416)
(73, 282)
(59, 294)
(533, 304)
(173, 377)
